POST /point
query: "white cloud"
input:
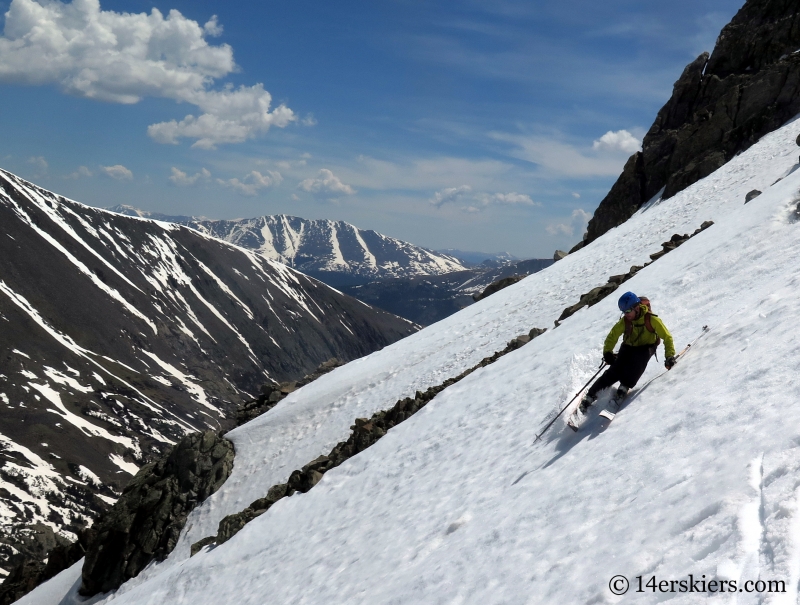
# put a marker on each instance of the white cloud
(450, 195)
(558, 159)
(576, 195)
(618, 141)
(508, 199)
(291, 164)
(81, 172)
(232, 116)
(253, 182)
(479, 200)
(39, 164)
(118, 172)
(326, 183)
(123, 57)
(182, 179)
(577, 222)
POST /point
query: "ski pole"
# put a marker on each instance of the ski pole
(687, 347)
(602, 365)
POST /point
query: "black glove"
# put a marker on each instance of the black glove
(670, 361)
(609, 357)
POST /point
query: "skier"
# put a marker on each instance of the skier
(642, 331)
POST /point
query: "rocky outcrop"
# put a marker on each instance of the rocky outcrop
(720, 106)
(365, 432)
(146, 521)
(497, 286)
(271, 394)
(595, 295)
(46, 553)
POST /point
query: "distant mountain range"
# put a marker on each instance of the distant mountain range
(472, 258)
(335, 252)
(430, 298)
(119, 335)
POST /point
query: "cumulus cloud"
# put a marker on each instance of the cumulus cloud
(479, 200)
(81, 172)
(180, 178)
(124, 57)
(118, 172)
(231, 116)
(450, 195)
(39, 164)
(508, 199)
(577, 223)
(253, 182)
(618, 141)
(326, 184)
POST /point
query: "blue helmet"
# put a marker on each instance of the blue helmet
(628, 301)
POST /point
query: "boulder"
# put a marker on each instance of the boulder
(559, 254)
(497, 286)
(145, 523)
(752, 195)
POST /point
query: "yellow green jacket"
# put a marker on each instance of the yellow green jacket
(640, 336)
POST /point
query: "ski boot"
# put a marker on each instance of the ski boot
(619, 397)
(576, 418)
(587, 402)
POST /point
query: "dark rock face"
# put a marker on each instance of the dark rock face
(497, 286)
(144, 525)
(30, 570)
(721, 105)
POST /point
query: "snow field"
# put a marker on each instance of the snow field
(699, 474)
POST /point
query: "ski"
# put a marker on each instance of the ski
(613, 408)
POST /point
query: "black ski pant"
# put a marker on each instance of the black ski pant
(627, 369)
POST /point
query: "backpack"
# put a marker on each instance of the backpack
(647, 324)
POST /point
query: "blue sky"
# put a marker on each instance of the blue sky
(474, 125)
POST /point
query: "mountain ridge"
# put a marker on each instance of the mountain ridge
(120, 335)
(321, 248)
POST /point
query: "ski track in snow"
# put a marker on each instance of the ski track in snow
(698, 475)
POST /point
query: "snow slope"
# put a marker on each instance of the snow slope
(699, 475)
